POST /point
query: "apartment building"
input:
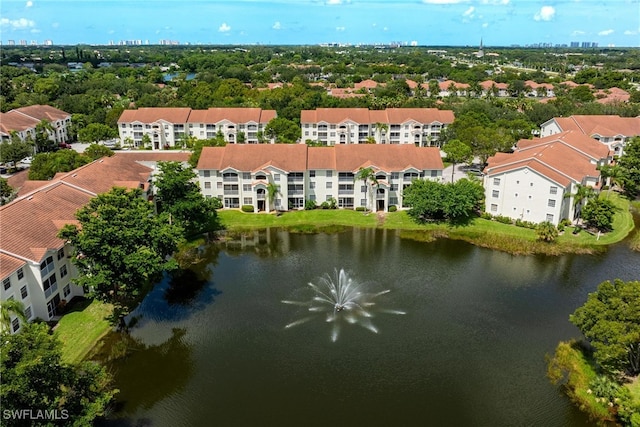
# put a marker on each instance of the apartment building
(336, 126)
(167, 127)
(24, 120)
(242, 174)
(611, 130)
(35, 265)
(535, 182)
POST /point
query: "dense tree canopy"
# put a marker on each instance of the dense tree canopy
(180, 196)
(430, 200)
(95, 132)
(46, 165)
(630, 167)
(121, 247)
(35, 378)
(15, 149)
(610, 320)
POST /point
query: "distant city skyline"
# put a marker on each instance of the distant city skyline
(294, 22)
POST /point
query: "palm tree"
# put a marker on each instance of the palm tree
(369, 177)
(8, 308)
(612, 174)
(272, 191)
(583, 194)
(381, 128)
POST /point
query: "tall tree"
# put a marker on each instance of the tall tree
(96, 132)
(610, 320)
(35, 378)
(368, 176)
(272, 192)
(282, 130)
(179, 196)
(457, 152)
(44, 137)
(121, 247)
(15, 149)
(582, 195)
(46, 165)
(6, 191)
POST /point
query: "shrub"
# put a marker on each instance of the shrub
(503, 219)
(546, 232)
(247, 208)
(360, 208)
(393, 208)
(324, 205)
(310, 205)
(560, 227)
(486, 215)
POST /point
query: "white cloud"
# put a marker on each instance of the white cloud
(546, 13)
(496, 2)
(224, 28)
(29, 4)
(334, 1)
(578, 33)
(340, 28)
(17, 24)
(631, 32)
(485, 25)
(442, 1)
(469, 12)
(605, 32)
(55, 25)
(277, 25)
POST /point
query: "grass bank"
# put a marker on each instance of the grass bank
(81, 329)
(480, 232)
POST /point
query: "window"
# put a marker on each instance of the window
(46, 266)
(434, 173)
(363, 189)
(312, 174)
(329, 174)
(63, 271)
(207, 185)
(66, 290)
(206, 174)
(276, 177)
(20, 273)
(363, 202)
(15, 324)
(312, 184)
(394, 187)
(553, 190)
(246, 175)
(229, 177)
(246, 187)
(329, 185)
(27, 313)
(393, 200)
(551, 203)
(496, 181)
(395, 175)
(495, 193)
(23, 292)
(531, 184)
(50, 285)
(550, 217)
(410, 176)
(345, 202)
(6, 283)
(494, 207)
(219, 185)
(247, 201)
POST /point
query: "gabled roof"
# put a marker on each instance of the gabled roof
(154, 114)
(606, 125)
(249, 157)
(43, 112)
(366, 116)
(575, 139)
(9, 264)
(554, 158)
(299, 157)
(15, 121)
(31, 224)
(234, 115)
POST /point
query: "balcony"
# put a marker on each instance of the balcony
(231, 192)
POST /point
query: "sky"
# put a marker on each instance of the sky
(295, 22)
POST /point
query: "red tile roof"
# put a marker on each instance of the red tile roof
(31, 224)
(15, 121)
(180, 115)
(9, 264)
(299, 157)
(366, 116)
(43, 112)
(575, 139)
(555, 158)
(154, 114)
(602, 125)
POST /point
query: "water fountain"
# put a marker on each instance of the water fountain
(341, 299)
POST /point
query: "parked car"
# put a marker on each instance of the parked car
(26, 161)
(64, 145)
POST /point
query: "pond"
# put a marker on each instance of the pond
(212, 347)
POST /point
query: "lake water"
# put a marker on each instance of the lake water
(211, 348)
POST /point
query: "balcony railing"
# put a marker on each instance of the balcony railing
(345, 192)
(231, 192)
(261, 197)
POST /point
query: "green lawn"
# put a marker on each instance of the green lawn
(481, 232)
(635, 390)
(81, 328)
